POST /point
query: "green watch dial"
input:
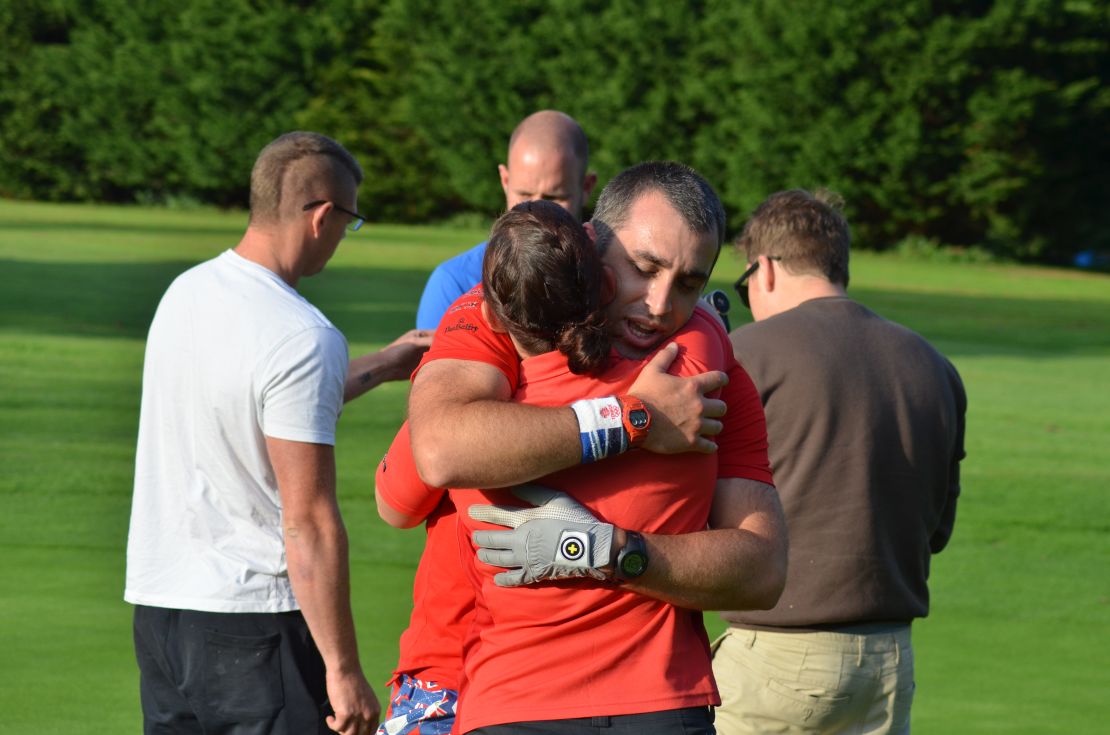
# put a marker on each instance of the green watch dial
(632, 561)
(633, 565)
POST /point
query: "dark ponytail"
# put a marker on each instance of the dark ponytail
(585, 344)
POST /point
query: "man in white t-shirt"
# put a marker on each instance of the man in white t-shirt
(237, 555)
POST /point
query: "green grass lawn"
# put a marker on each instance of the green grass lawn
(1017, 639)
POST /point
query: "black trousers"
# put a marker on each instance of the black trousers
(229, 673)
(688, 721)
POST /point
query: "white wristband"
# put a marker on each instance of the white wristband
(600, 428)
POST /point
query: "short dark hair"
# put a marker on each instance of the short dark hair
(808, 231)
(270, 175)
(683, 187)
(542, 278)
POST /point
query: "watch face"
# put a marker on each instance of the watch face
(638, 418)
(632, 565)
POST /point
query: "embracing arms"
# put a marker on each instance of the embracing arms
(739, 563)
(467, 433)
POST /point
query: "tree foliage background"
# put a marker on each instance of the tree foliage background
(979, 122)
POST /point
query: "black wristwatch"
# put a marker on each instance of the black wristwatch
(632, 560)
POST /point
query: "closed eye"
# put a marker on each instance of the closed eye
(691, 285)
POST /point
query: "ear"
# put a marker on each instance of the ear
(766, 273)
(503, 170)
(608, 285)
(589, 228)
(588, 184)
(489, 316)
(316, 223)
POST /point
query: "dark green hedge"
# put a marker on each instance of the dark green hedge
(965, 123)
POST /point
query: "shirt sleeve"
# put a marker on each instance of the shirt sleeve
(301, 386)
(451, 279)
(464, 334)
(399, 485)
(742, 444)
(943, 533)
(440, 292)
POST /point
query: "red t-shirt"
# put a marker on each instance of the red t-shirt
(660, 659)
(443, 602)
(463, 334)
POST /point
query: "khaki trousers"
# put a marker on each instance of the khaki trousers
(850, 683)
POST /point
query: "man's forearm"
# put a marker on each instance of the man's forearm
(371, 370)
(395, 361)
(737, 564)
(363, 374)
(725, 569)
(318, 570)
(316, 555)
(465, 433)
(492, 443)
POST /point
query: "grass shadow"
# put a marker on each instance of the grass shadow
(972, 325)
(969, 325)
(373, 305)
(157, 230)
(119, 299)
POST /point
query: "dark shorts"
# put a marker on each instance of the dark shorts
(233, 673)
(687, 721)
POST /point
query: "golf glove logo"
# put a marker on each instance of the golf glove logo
(574, 546)
(557, 539)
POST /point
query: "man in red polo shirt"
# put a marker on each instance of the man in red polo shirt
(583, 648)
(661, 244)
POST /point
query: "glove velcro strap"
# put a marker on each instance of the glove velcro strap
(581, 553)
(574, 550)
(600, 428)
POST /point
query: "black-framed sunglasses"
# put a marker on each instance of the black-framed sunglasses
(741, 284)
(356, 223)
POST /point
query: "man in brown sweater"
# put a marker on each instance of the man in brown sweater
(865, 422)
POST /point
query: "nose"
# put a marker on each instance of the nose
(659, 297)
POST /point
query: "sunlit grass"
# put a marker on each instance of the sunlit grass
(1021, 601)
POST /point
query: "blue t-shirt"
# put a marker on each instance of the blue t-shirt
(450, 280)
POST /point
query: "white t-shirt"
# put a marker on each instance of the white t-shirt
(233, 355)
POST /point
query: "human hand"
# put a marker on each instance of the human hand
(395, 361)
(355, 705)
(682, 418)
(407, 350)
(558, 539)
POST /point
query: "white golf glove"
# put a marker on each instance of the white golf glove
(558, 539)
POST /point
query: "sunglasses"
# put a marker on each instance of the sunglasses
(741, 284)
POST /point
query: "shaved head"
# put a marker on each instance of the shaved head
(554, 131)
(548, 157)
